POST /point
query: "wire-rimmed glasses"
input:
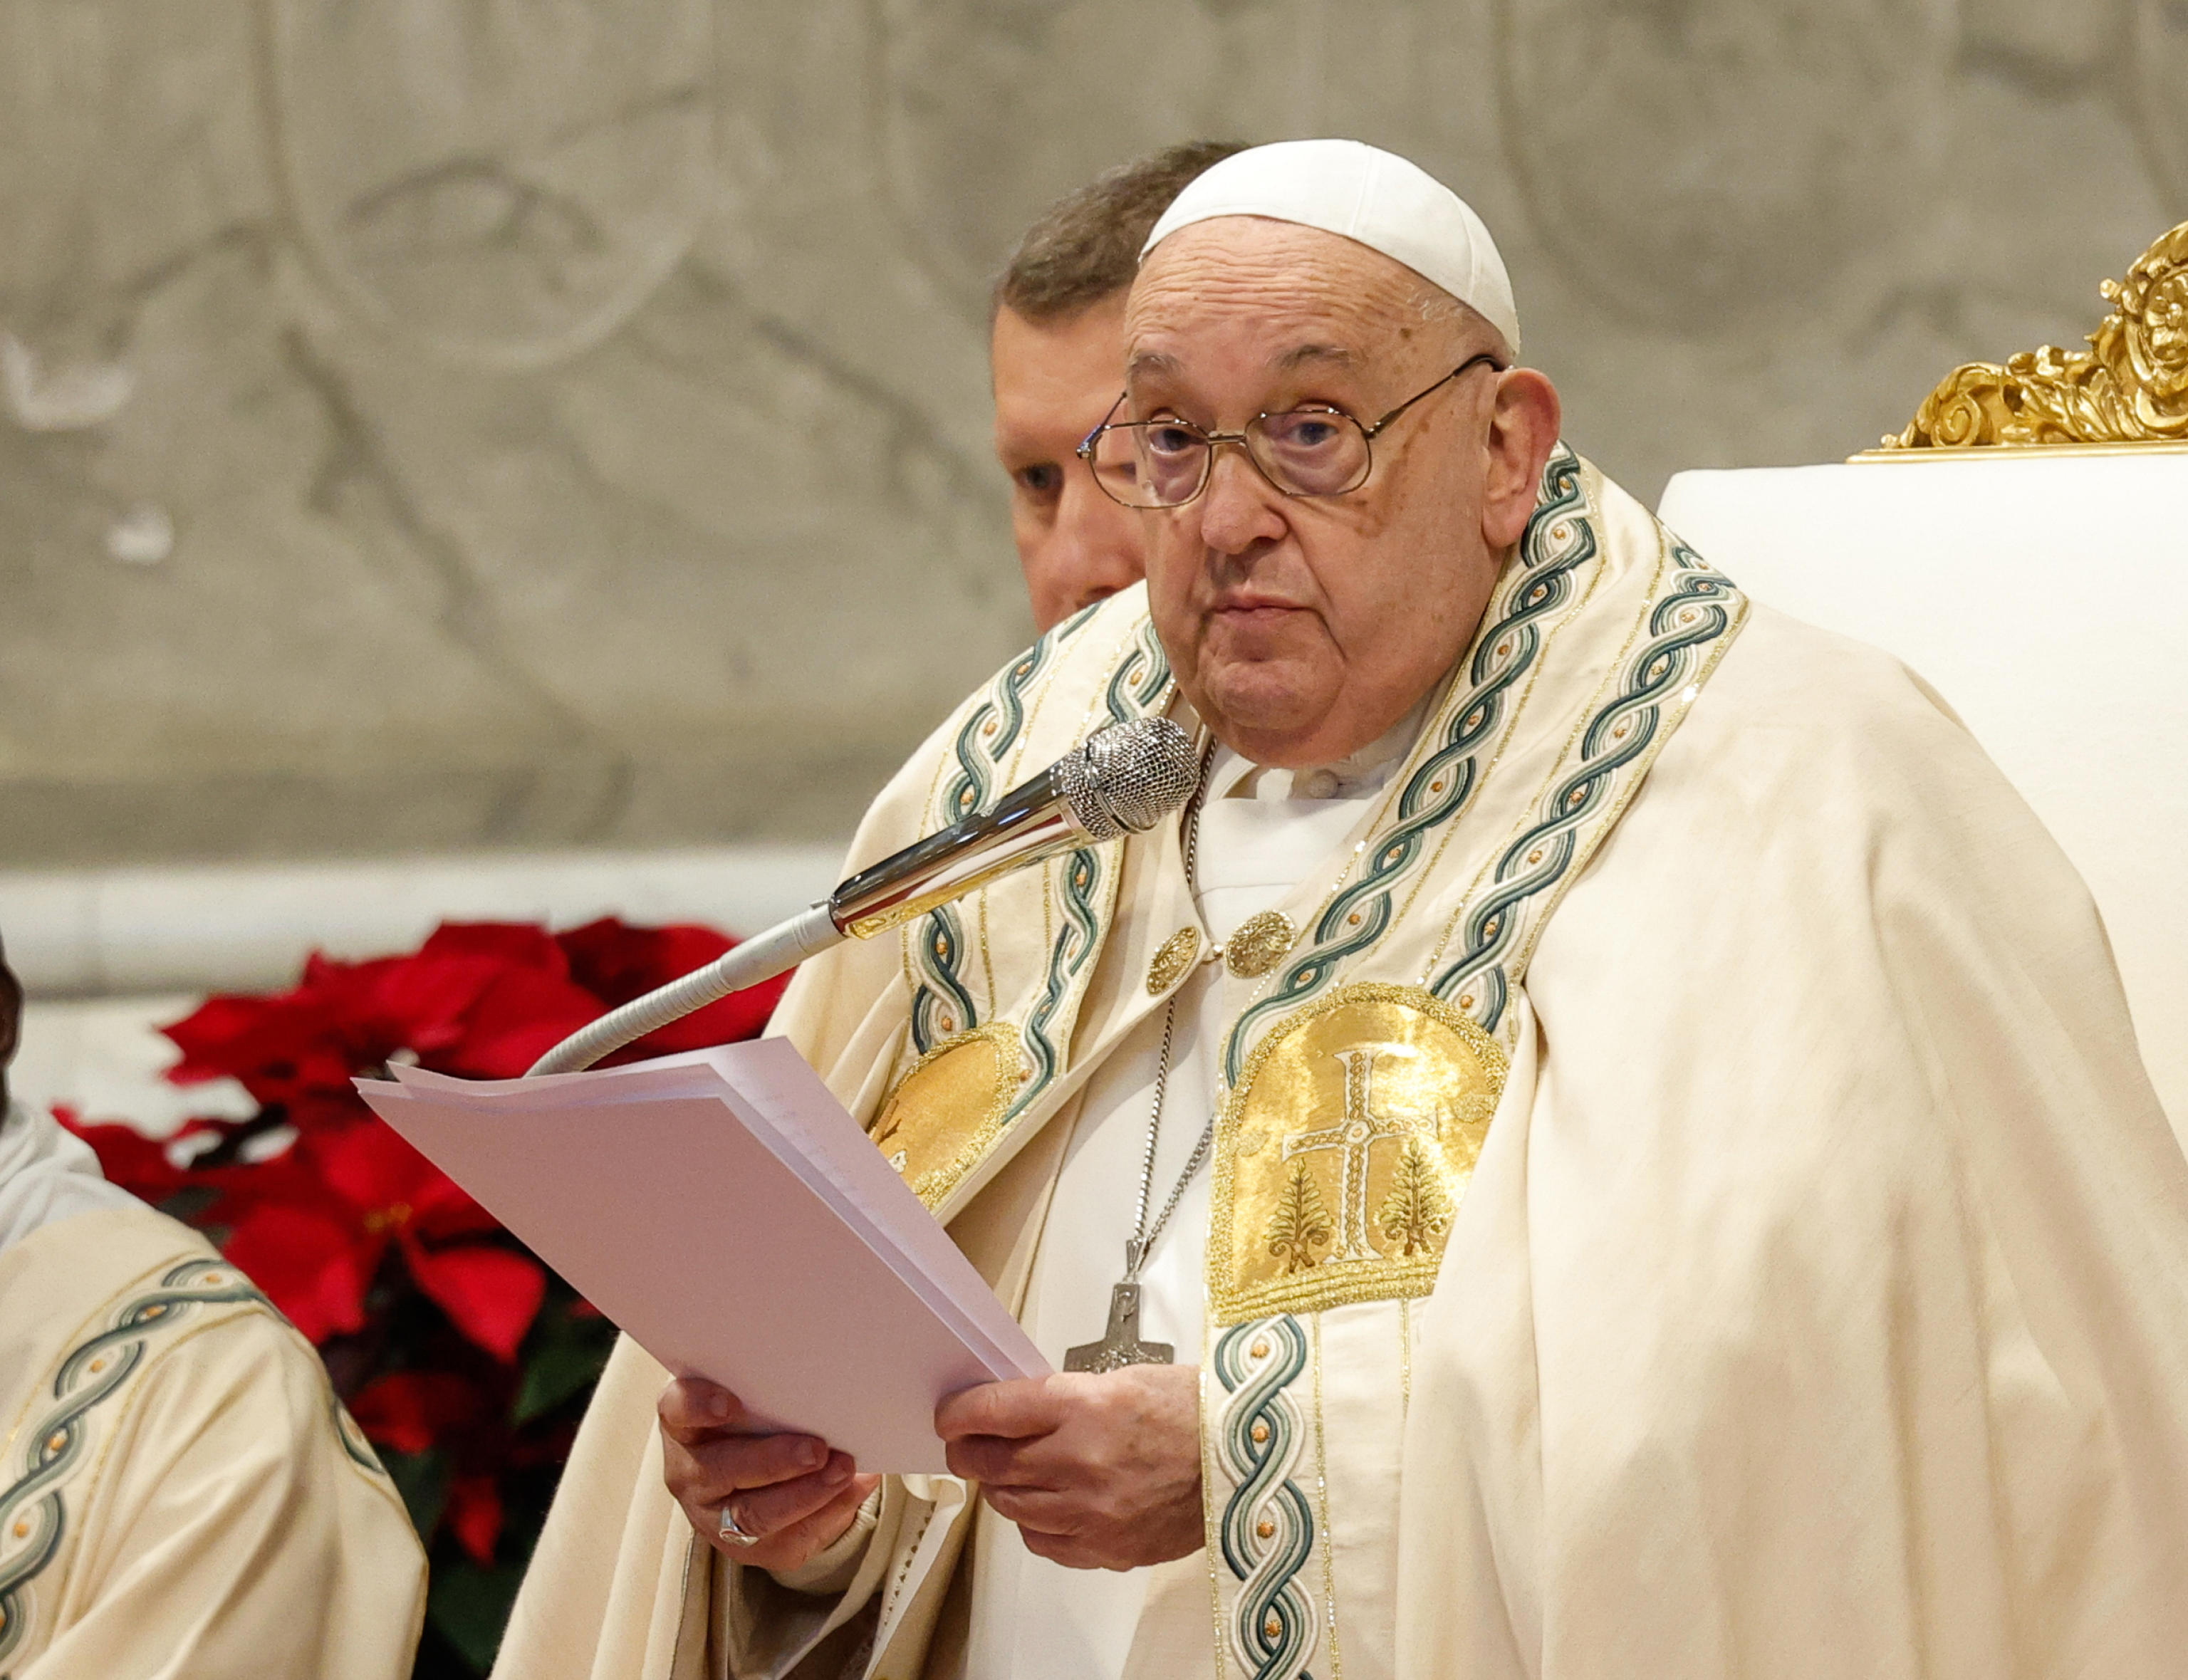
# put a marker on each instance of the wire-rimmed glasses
(1317, 451)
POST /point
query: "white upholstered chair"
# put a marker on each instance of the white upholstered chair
(2040, 586)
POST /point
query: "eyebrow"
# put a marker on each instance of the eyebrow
(1301, 355)
(1152, 362)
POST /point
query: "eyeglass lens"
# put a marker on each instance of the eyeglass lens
(1158, 464)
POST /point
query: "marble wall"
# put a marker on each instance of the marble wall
(439, 424)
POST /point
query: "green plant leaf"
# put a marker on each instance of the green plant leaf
(566, 1360)
(470, 1607)
(422, 1479)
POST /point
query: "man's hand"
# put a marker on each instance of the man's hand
(791, 1490)
(1098, 1471)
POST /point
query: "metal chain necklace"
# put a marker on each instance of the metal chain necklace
(1120, 1344)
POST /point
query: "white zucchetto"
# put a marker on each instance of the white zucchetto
(1374, 197)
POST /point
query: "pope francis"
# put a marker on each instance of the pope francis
(1606, 1143)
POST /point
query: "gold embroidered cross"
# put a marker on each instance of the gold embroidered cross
(1357, 1135)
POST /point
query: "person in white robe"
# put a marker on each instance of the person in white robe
(1607, 1143)
(181, 1495)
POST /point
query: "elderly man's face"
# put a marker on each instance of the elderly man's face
(1302, 629)
(1054, 380)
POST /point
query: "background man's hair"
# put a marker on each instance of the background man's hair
(1086, 246)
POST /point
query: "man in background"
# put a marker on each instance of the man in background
(1058, 353)
(182, 1494)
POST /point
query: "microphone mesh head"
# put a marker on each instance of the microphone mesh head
(1130, 776)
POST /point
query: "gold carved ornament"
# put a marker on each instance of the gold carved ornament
(2130, 385)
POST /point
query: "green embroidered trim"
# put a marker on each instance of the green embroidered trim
(1558, 543)
(1143, 680)
(91, 1374)
(1080, 937)
(1139, 684)
(992, 731)
(941, 1007)
(1686, 628)
(351, 1437)
(1260, 1439)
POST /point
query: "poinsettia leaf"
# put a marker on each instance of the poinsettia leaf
(617, 962)
(189, 1204)
(314, 1267)
(521, 945)
(444, 1211)
(474, 1515)
(421, 1001)
(490, 1294)
(517, 1019)
(372, 1167)
(275, 1046)
(415, 1410)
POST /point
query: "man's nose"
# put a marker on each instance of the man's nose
(1239, 507)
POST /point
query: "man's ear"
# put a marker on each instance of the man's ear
(1523, 430)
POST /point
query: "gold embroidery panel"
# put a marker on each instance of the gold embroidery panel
(946, 1114)
(1343, 1153)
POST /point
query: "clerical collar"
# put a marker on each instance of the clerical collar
(1231, 775)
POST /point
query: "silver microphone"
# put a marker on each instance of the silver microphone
(1124, 780)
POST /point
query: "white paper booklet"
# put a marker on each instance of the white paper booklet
(724, 1209)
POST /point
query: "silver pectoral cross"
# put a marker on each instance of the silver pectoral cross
(1121, 1346)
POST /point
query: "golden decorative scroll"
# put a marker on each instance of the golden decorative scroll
(1341, 1156)
(1259, 945)
(2130, 385)
(947, 1112)
(1177, 955)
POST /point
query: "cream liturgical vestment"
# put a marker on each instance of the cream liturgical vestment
(181, 1495)
(1685, 1199)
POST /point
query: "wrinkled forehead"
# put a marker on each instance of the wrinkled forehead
(1250, 276)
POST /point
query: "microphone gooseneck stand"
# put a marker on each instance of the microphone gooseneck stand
(1122, 780)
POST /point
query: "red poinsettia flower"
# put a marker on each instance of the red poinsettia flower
(313, 1238)
(480, 999)
(617, 962)
(277, 1046)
